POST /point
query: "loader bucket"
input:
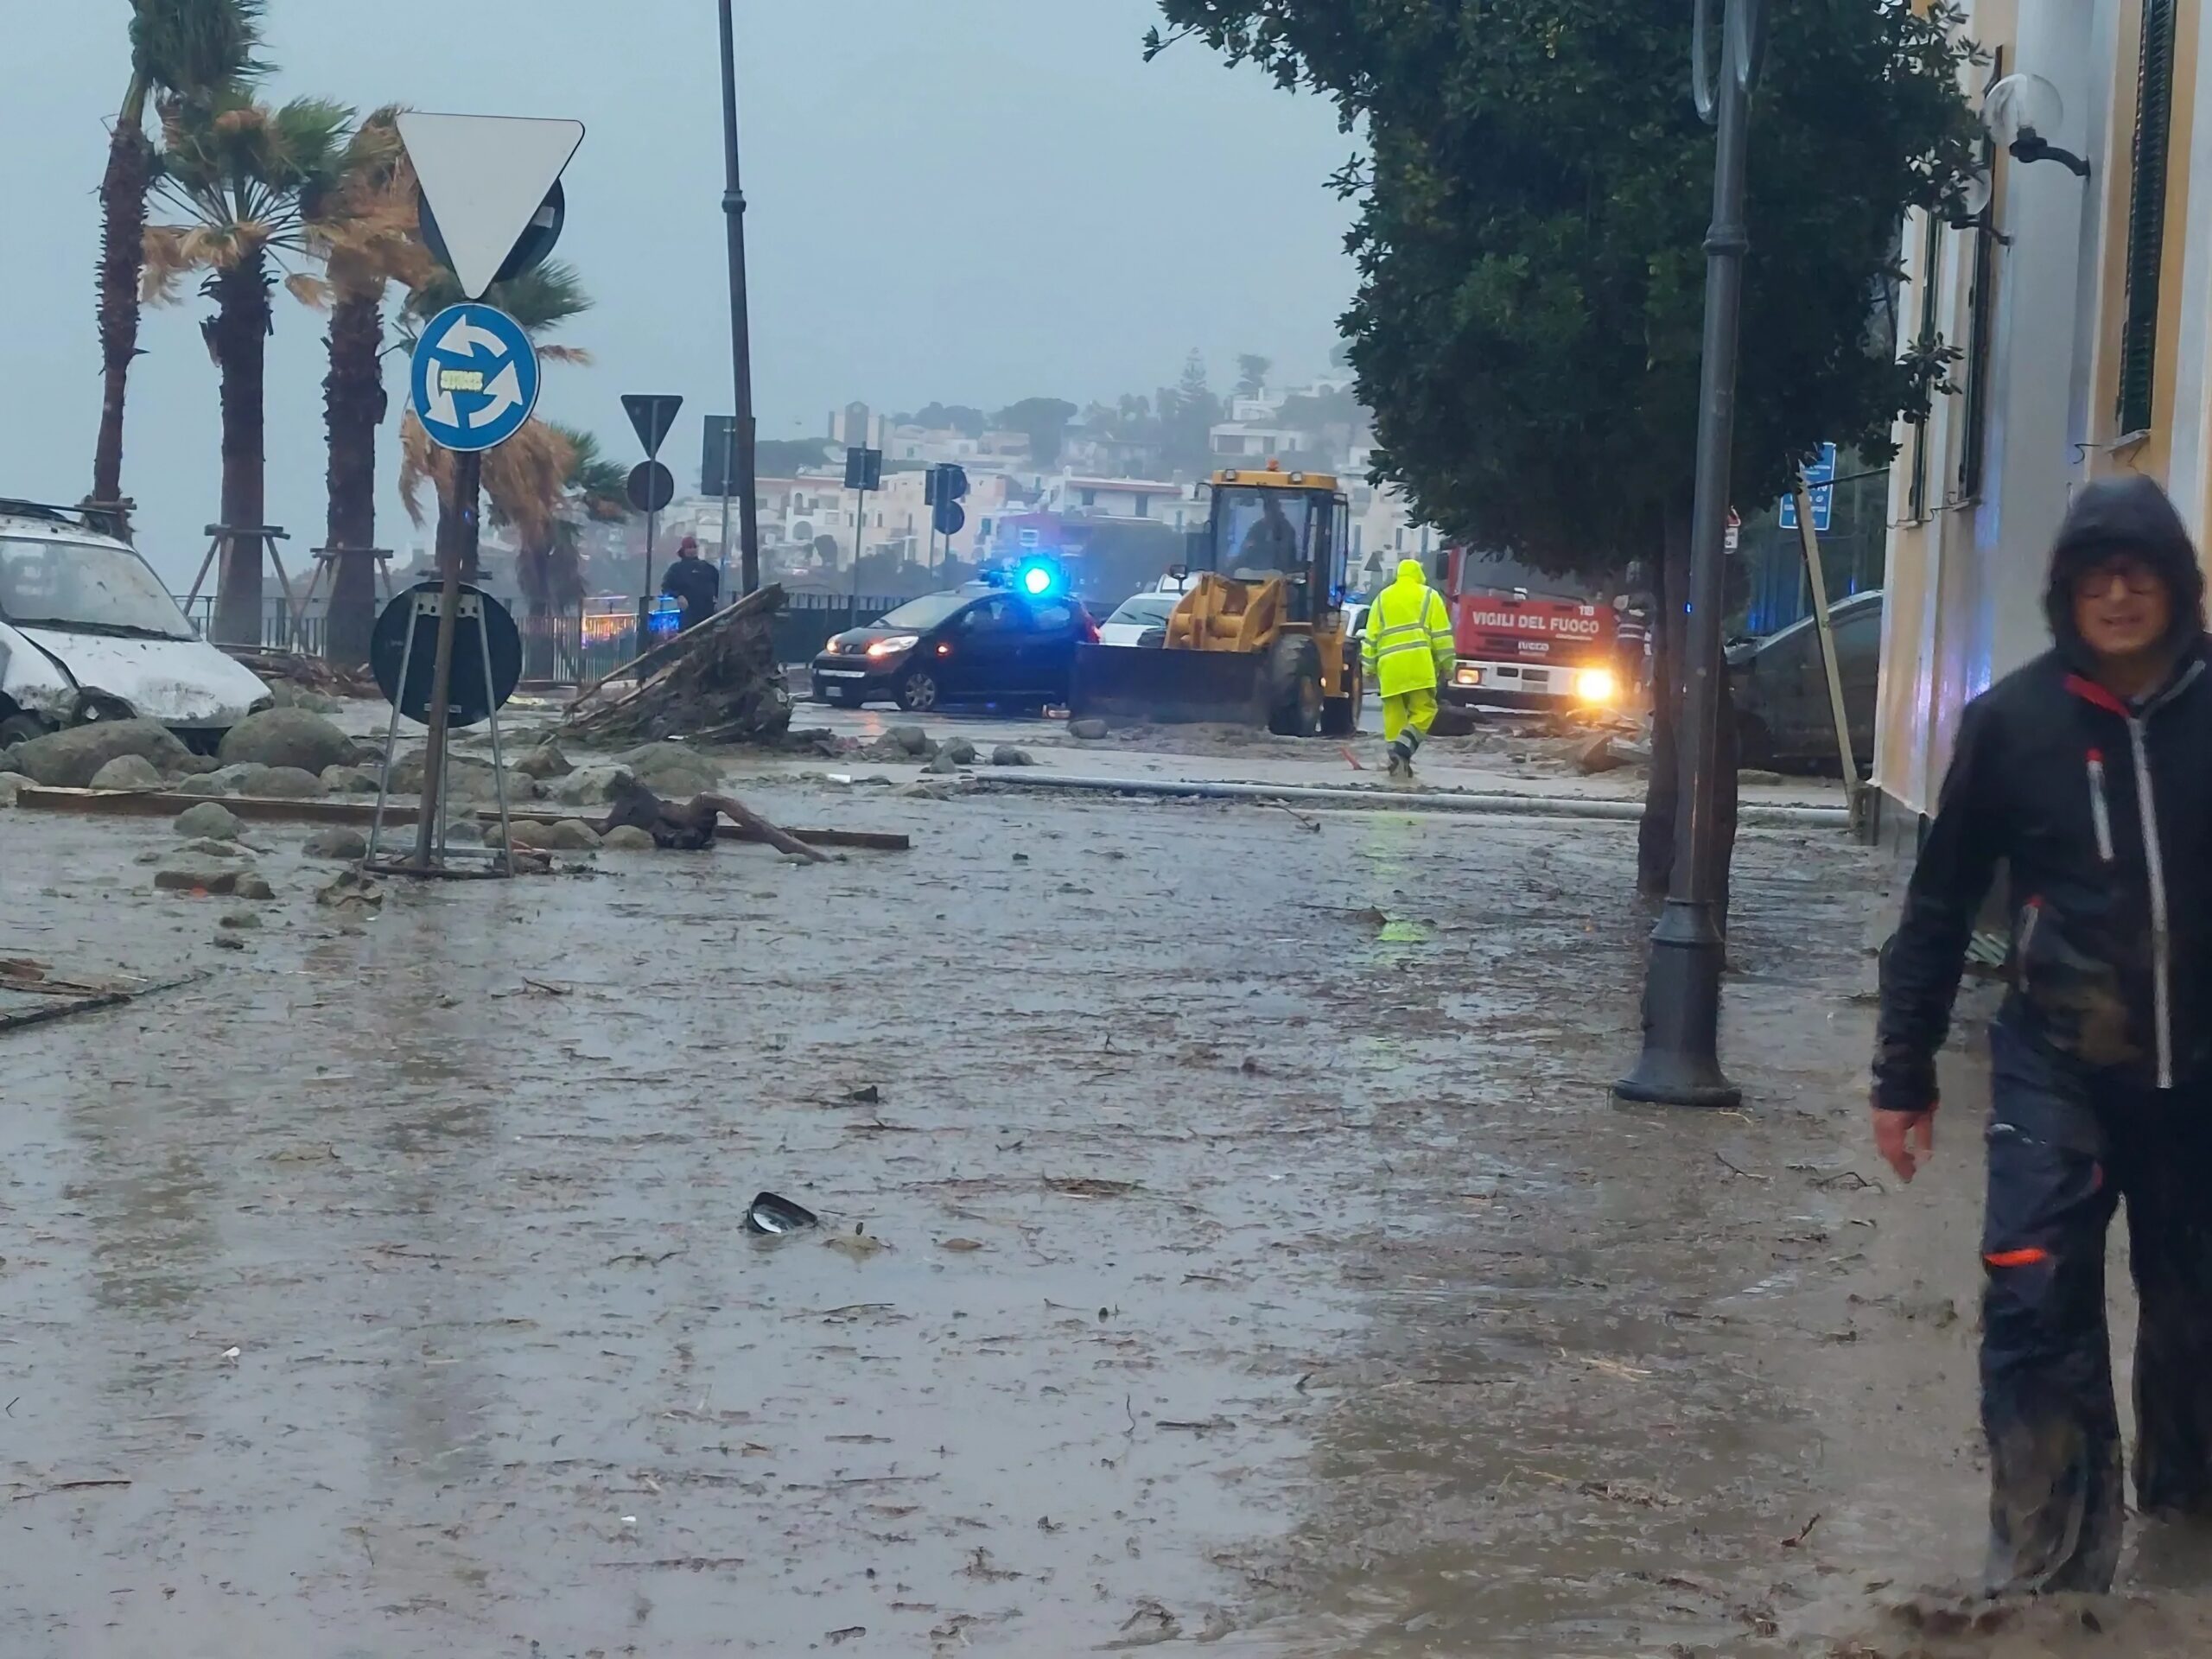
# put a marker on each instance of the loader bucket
(1170, 687)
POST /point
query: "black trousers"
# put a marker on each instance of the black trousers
(2064, 1150)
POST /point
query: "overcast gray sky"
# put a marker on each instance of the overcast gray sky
(975, 200)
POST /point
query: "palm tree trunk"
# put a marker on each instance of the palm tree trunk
(353, 408)
(240, 335)
(123, 260)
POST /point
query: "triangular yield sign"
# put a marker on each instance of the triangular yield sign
(653, 415)
(484, 177)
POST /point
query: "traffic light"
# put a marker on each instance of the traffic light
(942, 491)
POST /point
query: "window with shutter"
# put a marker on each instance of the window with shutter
(2146, 216)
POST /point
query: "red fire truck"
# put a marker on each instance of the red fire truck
(1527, 640)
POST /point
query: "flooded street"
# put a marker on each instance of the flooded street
(1227, 1240)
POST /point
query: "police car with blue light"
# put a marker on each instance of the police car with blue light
(1010, 638)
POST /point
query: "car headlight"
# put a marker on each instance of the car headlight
(894, 645)
(1594, 685)
(1467, 677)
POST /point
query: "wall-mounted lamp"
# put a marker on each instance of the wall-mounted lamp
(2019, 110)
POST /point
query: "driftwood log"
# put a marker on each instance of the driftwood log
(688, 826)
(719, 682)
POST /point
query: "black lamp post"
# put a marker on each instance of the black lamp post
(740, 332)
(1681, 1062)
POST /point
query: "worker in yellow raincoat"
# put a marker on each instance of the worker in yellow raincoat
(1408, 649)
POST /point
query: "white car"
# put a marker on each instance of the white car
(88, 631)
(1140, 615)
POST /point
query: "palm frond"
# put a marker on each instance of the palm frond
(309, 289)
(195, 45)
(541, 300)
(571, 354)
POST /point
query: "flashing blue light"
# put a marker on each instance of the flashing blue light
(1037, 577)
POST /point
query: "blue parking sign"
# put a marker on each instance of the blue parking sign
(1820, 483)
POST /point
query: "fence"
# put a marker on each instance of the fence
(575, 647)
(277, 633)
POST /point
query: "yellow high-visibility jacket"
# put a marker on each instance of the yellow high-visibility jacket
(1409, 644)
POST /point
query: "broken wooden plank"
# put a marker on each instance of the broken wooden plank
(68, 1010)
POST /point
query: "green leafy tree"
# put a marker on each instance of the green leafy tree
(246, 181)
(1534, 197)
(1252, 374)
(180, 49)
(1044, 421)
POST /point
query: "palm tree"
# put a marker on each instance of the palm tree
(181, 49)
(549, 569)
(524, 476)
(365, 233)
(246, 181)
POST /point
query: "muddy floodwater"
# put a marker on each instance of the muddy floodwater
(1227, 1242)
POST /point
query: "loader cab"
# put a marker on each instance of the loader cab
(1266, 522)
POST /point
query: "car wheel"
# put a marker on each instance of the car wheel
(918, 692)
(1294, 698)
(20, 728)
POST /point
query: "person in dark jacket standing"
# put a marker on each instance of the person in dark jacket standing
(694, 583)
(2087, 775)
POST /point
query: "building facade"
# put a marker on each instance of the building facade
(2082, 310)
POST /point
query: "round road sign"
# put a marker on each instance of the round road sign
(652, 487)
(475, 694)
(474, 378)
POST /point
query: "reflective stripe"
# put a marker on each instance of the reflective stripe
(2027, 1258)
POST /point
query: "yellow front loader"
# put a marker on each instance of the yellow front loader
(1259, 637)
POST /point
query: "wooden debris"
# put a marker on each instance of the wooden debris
(718, 682)
(690, 825)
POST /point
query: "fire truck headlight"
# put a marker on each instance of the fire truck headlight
(1465, 676)
(1594, 685)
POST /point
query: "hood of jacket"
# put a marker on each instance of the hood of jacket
(1411, 573)
(2132, 514)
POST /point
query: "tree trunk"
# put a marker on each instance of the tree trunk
(239, 332)
(537, 642)
(122, 260)
(1663, 790)
(353, 408)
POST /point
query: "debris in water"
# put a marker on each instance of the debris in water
(773, 1215)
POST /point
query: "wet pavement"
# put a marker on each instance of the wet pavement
(1228, 1241)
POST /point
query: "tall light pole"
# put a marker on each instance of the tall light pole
(1681, 1062)
(740, 333)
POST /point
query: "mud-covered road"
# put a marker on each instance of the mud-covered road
(1229, 1241)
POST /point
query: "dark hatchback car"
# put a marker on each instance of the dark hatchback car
(978, 643)
(1783, 718)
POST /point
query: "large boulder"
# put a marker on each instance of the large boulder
(466, 779)
(573, 835)
(288, 783)
(339, 841)
(223, 780)
(70, 760)
(627, 838)
(286, 737)
(211, 820)
(594, 786)
(11, 784)
(912, 739)
(127, 771)
(348, 780)
(674, 770)
(544, 761)
(1090, 729)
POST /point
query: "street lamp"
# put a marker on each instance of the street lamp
(740, 333)
(1681, 1062)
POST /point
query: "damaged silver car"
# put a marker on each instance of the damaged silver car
(89, 633)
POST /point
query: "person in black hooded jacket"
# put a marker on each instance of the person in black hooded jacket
(2087, 776)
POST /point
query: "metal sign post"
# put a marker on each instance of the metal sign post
(489, 186)
(1806, 516)
(864, 473)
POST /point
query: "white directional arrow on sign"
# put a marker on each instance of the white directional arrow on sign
(440, 411)
(484, 177)
(464, 337)
(506, 393)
